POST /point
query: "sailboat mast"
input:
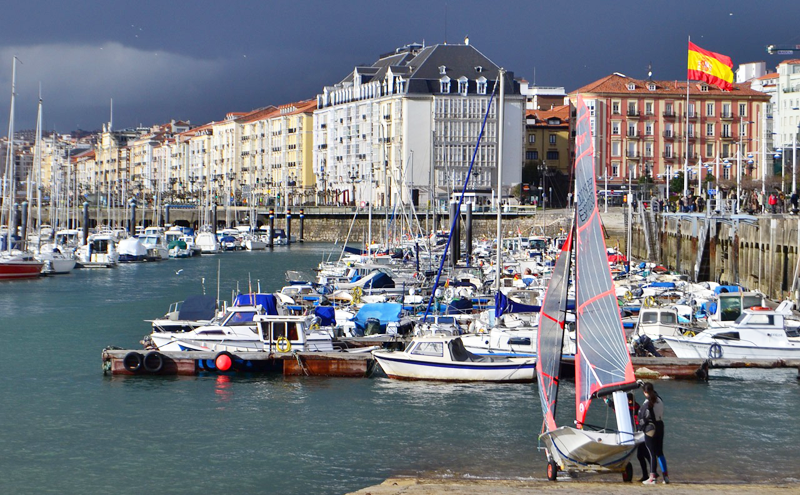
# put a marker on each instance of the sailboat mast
(500, 112)
(38, 152)
(10, 172)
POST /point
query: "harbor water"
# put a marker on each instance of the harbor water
(67, 428)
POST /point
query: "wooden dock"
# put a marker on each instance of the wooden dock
(148, 362)
(698, 369)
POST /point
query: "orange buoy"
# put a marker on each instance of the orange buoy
(223, 362)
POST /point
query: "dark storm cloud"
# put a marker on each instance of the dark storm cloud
(160, 60)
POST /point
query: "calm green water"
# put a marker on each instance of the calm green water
(66, 428)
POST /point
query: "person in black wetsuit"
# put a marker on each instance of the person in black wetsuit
(651, 422)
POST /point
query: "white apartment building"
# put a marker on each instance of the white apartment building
(406, 127)
(786, 112)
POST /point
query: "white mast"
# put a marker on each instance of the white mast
(499, 267)
(9, 192)
(38, 164)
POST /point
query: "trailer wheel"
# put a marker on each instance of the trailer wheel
(627, 475)
(132, 362)
(552, 470)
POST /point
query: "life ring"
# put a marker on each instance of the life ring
(283, 344)
(223, 361)
(132, 362)
(357, 292)
(315, 326)
(715, 351)
(449, 293)
(153, 362)
(628, 296)
(649, 302)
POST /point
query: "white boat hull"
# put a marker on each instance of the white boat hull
(403, 366)
(689, 349)
(586, 450)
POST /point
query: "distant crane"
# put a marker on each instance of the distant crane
(783, 49)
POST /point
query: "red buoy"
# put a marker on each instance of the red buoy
(223, 362)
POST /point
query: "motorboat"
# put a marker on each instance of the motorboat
(179, 249)
(207, 242)
(661, 322)
(229, 239)
(186, 315)
(268, 333)
(157, 249)
(444, 357)
(131, 250)
(758, 333)
(99, 252)
(55, 260)
(17, 264)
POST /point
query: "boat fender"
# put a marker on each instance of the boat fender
(153, 362)
(223, 361)
(760, 308)
(715, 351)
(283, 344)
(132, 362)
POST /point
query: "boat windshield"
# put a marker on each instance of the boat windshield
(429, 349)
(240, 318)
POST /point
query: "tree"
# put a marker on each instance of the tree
(676, 184)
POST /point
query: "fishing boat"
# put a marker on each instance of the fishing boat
(758, 333)
(602, 362)
(444, 358)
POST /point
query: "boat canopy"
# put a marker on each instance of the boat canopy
(663, 285)
(198, 308)
(503, 305)
(326, 315)
(384, 312)
(268, 301)
(721, 289)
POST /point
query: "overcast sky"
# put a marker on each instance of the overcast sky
(162, 60)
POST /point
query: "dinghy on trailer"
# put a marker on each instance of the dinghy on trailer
(602, 363)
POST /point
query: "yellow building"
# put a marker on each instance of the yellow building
(547, 155)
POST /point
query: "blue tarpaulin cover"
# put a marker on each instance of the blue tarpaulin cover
(459, 306)
(380, 281)
(385, 312)
(726, 288)
(268, 301)
(503, 305)
(326, 315)
(197, 308)
(663, 285)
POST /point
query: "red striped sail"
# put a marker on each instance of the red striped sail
(602, 357)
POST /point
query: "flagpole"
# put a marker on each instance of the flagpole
(716, 181)
(686, 134)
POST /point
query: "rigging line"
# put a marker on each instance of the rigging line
(461, 200)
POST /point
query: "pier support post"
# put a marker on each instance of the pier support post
(288, 226)
(214, 219)
(302, 220)
(86, 223)
(13, 222)
(271, 228)
(132, 219)
(166, 215)
(469, 233)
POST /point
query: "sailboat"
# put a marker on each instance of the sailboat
(14, 263)
(602, 363)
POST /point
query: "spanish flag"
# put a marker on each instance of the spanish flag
(710, 67)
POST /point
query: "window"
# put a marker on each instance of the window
(631, 86)
(463, 84)
(704, 88)
(632, 109)
(668, 109)
(444, 85)
(691, 110)
(726, 149)
(726, 131)
(709, 149)
(668, 150)
(651, 87)
(615, 107)
(552, 139)
(631, 129)
(442, 70)
(690, 130)
(709, 129)
(648, 129)
(532, 138)
(648, 108)
(648, 150)
(552, 155)
(742, 129)
(615, 169)
(726, 110)
(615, 148)
(742, 109)
(532, 155)
(429, 349)
(615, 128)
(709, 109)
(482, 85)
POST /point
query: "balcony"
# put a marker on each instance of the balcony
(668, 114)
(691, 115)
(668, 155)
(632, 113)
(632, 154)
(632, 134)
(726, 115)
(668, 134)
(726, 135)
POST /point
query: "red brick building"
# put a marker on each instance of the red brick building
(643, 127)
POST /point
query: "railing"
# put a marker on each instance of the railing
(633, 113)
(669, 113)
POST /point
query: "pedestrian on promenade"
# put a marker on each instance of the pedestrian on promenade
(794, 200)
(651, 422)
(773, 201)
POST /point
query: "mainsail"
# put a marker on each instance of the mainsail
(551, 335)
(602, 358)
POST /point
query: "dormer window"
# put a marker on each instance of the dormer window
(479, 69)
(704, 88)
(553, 121)
(444, 85)
(442, 70)
(651, 87)
(463, 84)
(481, 85)
(631, 86)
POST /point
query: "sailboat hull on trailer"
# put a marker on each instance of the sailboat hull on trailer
(572, 448)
